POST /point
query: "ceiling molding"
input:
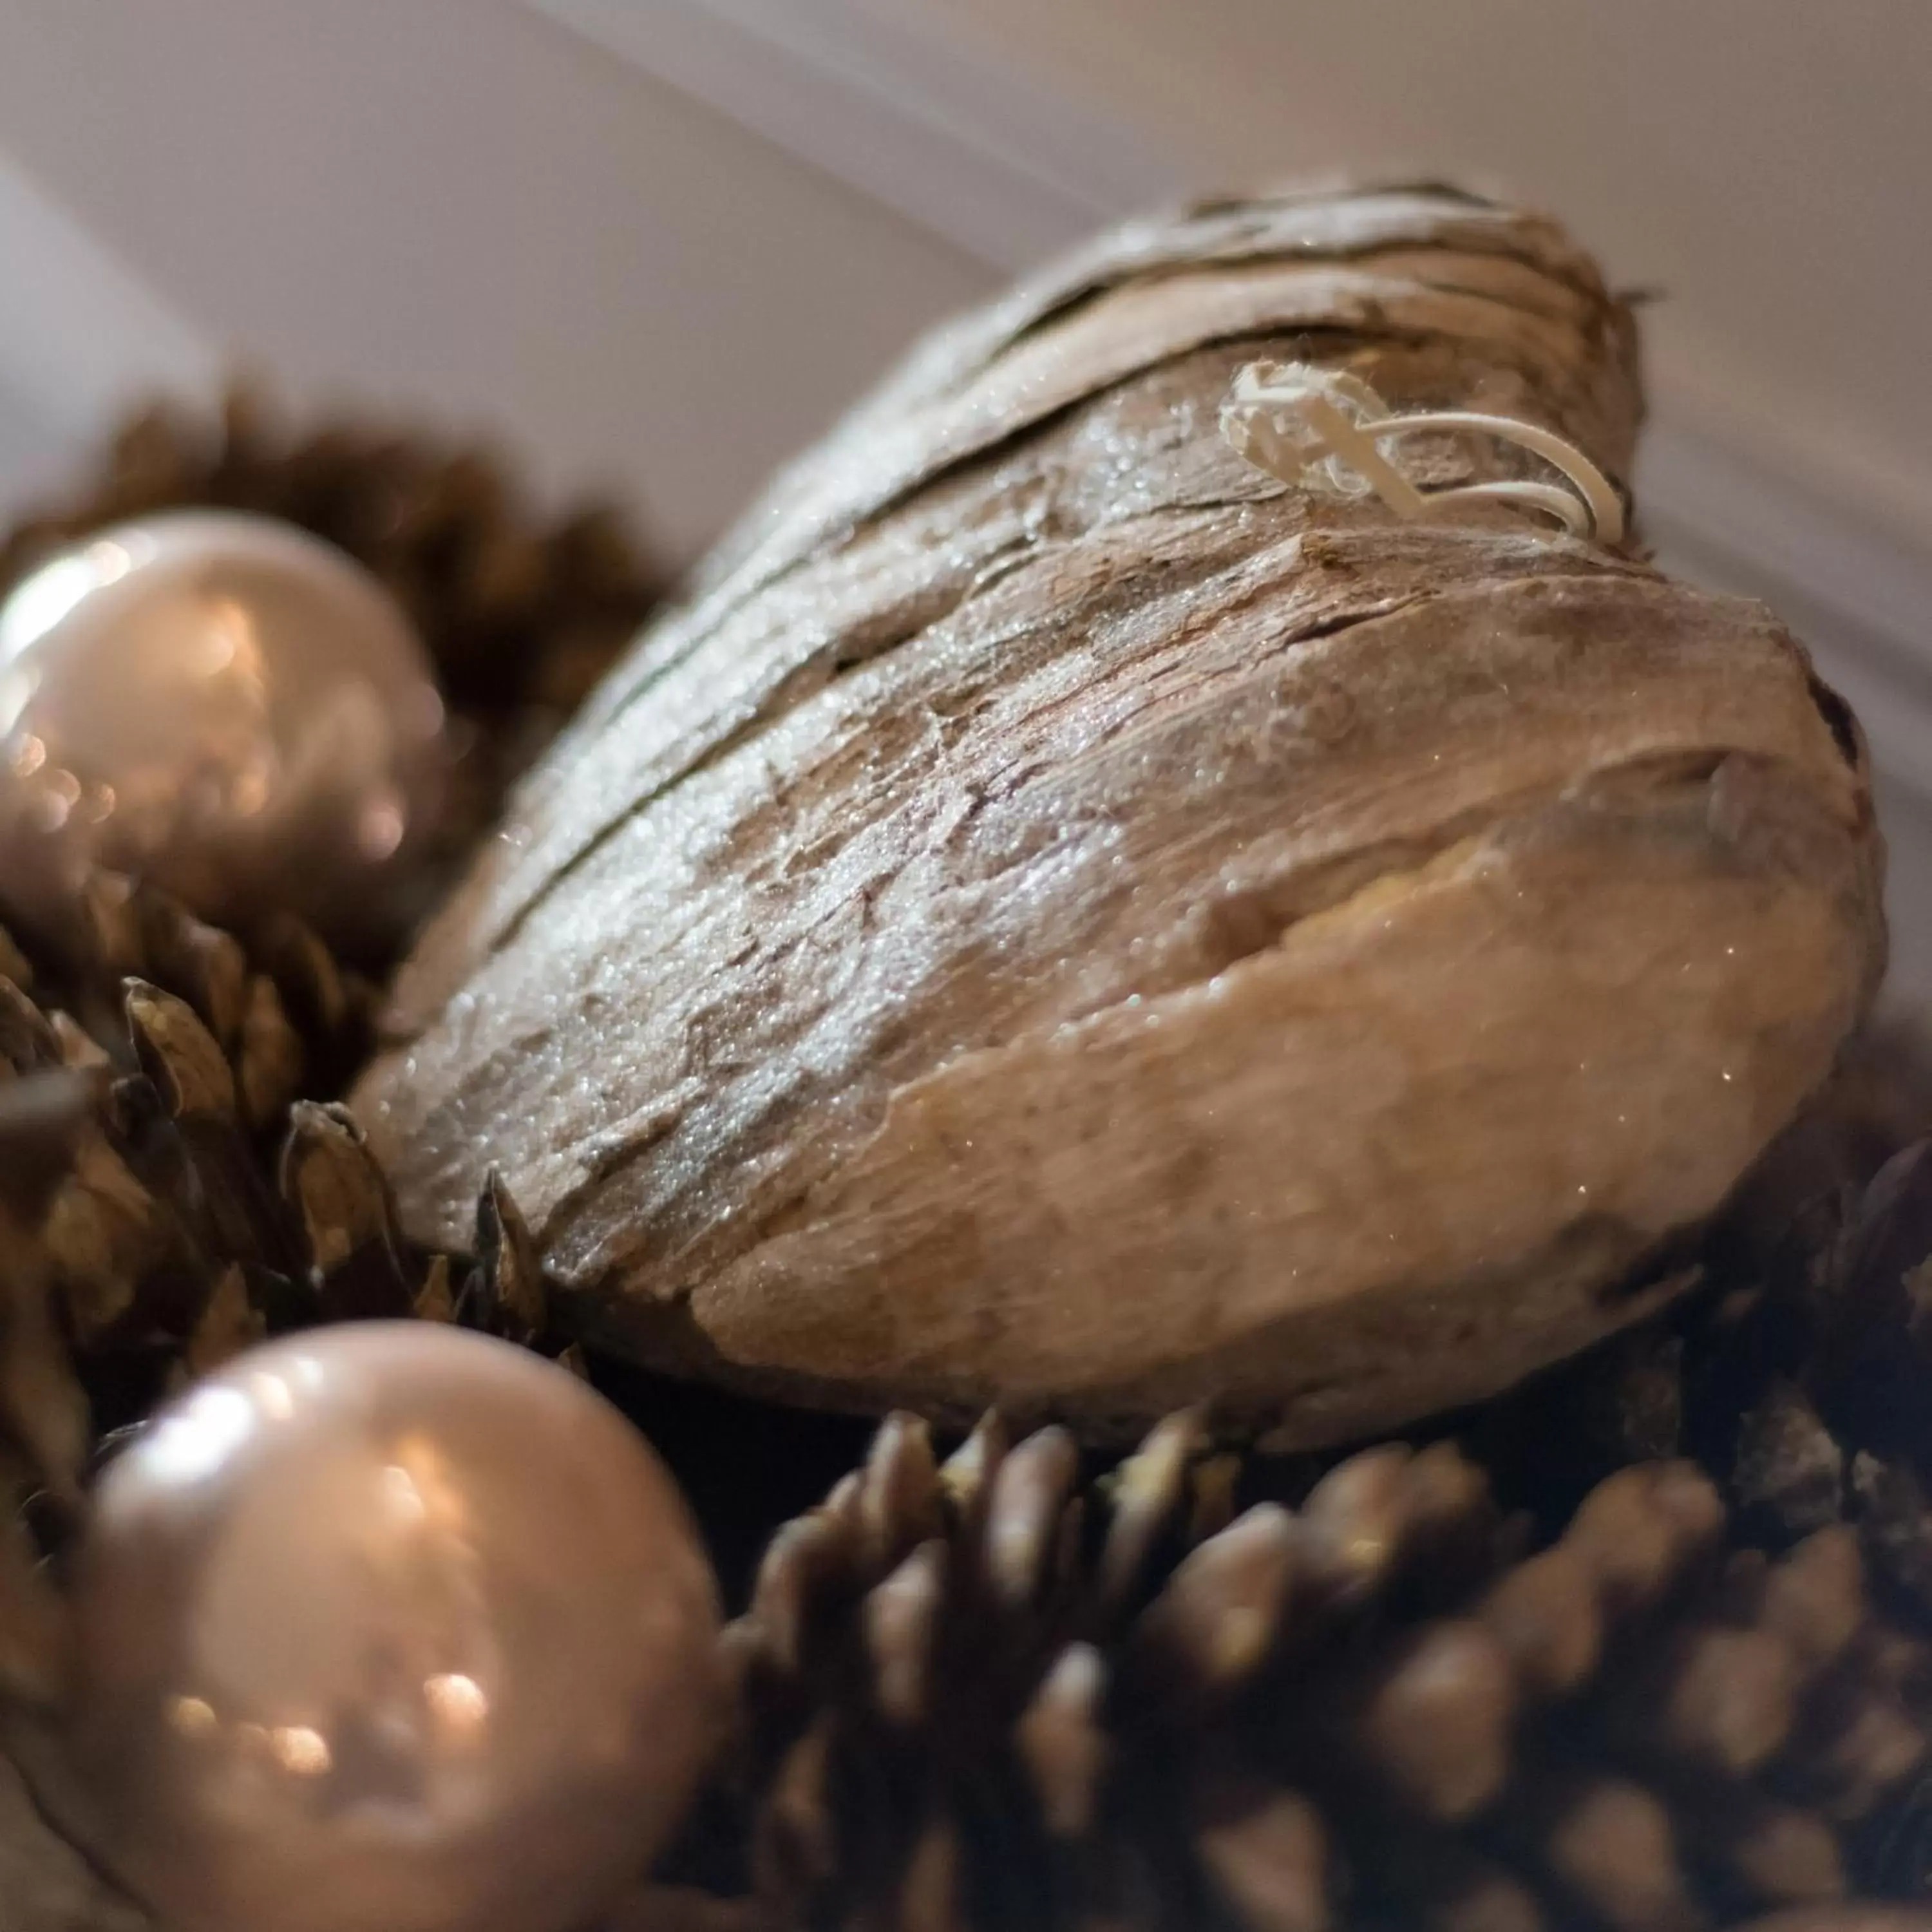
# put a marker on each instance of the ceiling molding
(931, 124)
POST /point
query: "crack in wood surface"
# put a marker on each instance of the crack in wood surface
(1063, 919)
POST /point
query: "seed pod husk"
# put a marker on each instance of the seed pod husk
(1064, 920)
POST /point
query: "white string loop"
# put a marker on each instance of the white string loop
(1323, 429)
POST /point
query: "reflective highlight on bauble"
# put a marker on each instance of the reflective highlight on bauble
(390, 1627)
(226, 704)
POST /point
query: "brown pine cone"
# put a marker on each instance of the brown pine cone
(983, 1692)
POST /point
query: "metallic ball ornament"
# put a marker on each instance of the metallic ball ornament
(390, 1627)
(226, 704)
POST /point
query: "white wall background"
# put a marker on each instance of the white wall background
(658, 243)
(456, 207)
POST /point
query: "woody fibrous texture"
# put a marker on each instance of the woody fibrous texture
(1063, 919)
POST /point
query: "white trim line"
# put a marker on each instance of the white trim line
(931, 125)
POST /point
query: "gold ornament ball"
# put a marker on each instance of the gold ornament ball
(390, 1627)
(224, 703)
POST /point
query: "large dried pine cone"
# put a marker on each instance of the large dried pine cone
(1065, 921)
(975, 1694)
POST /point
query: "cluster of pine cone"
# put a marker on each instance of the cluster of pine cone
(1645, 1647)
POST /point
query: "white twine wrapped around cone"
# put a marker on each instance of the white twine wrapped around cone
(1324, 429)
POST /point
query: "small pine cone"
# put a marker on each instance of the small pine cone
(982, 1691)
(288, 1015)
(1804, 1380)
